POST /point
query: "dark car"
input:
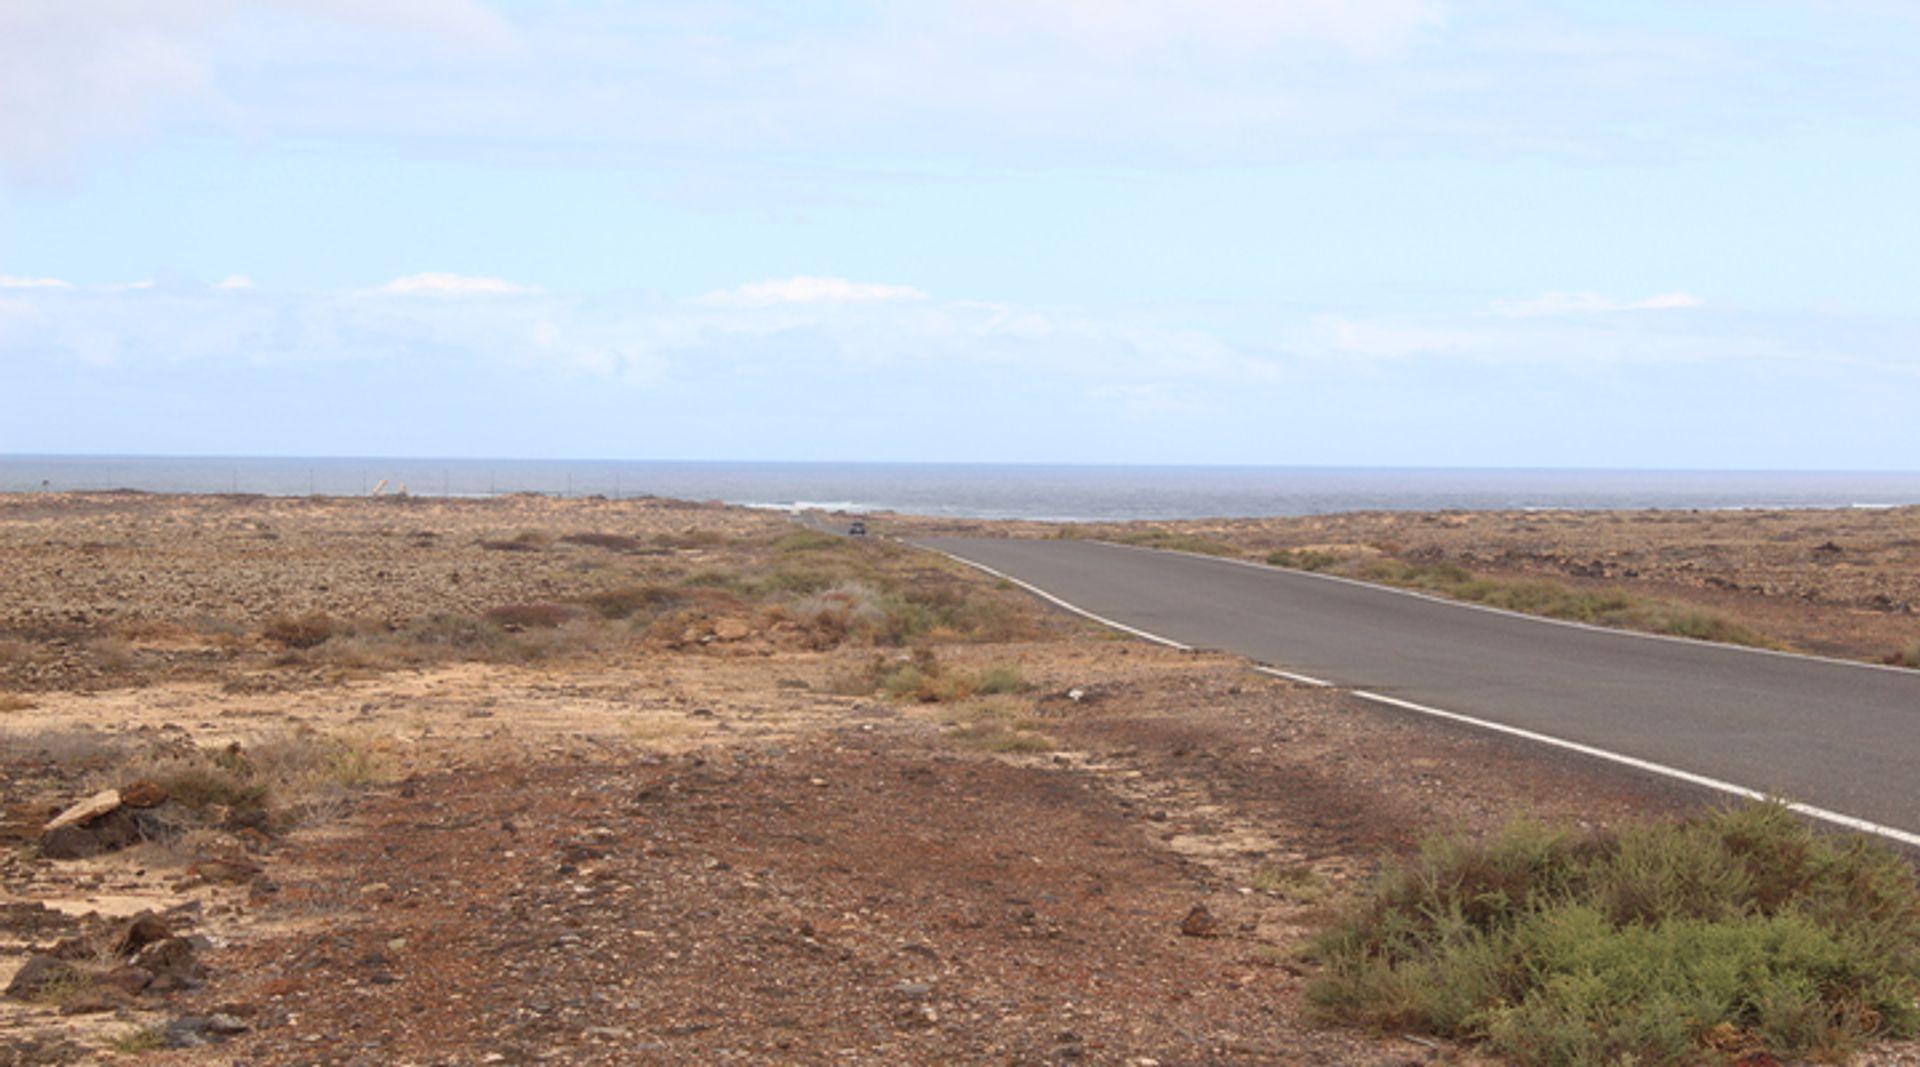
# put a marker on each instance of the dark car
(857, 529)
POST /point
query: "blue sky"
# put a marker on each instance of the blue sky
(1370, 232)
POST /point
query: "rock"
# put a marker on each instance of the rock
(732, 629)
(224, 870)
(68, 843)
(87, 810)
(193, 1031)
(108, 832)
(1200, 923)
(137, 932)
(128, 979)
(173, 963)
(143, 794)
(42, 975)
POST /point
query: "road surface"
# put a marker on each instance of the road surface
(1839, 737)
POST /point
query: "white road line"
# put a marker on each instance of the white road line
(1838, 819)
(1303, 679)
(1470, 605)
(1850, 822)
(1075, 608)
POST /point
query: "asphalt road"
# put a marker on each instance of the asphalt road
(1838, 736)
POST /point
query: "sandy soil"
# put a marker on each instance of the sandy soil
(688, 842)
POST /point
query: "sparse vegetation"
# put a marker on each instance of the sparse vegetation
(612, 542)
(1667, 943)
(1297, 882)
(1555, 601)
(1302, 559)
(145, 1039)
(1154, 537)
(284, 777)
(1907, 657)
(922, 677)
(300, 631)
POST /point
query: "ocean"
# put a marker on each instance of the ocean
(1054, 492)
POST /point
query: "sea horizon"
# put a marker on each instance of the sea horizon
(1069, 492)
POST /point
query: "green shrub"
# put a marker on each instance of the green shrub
(1648, 946)
(1155, 537)
(1606, 607)
(1000, 679)
(1302, 559)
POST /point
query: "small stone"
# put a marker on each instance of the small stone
(138, 932)
(128, 979)
(225, 870)
(1200, 922)
(143, 794)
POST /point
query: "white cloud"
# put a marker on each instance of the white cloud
(443, 284)
(77, 73)
(809, 289)
(1591, 304)
(234, 281)
(14, 281)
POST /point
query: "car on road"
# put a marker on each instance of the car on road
(857, 528)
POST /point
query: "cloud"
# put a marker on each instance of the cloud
(75, 75)
(443, 284)
(14, 281)
(810, 289)
(1591, 304)
(234, 281)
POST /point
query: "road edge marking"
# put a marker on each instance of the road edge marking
(1691, 642)
(1840, 819)
(1851, 822)
(1144, 635)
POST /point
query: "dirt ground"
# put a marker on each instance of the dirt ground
(707, 834)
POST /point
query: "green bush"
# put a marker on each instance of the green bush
(1301, 559)
(1650, 946)
(1605, 607)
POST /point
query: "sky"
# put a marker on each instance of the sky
(1676, 234)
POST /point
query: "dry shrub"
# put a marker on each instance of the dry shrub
(524, 541)
(612, 542)
(14, 702)
(691, 538)
(630, 601)
(538, 616)
(71, 748)
(112, 654)
(15, 653)
(311, 630)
